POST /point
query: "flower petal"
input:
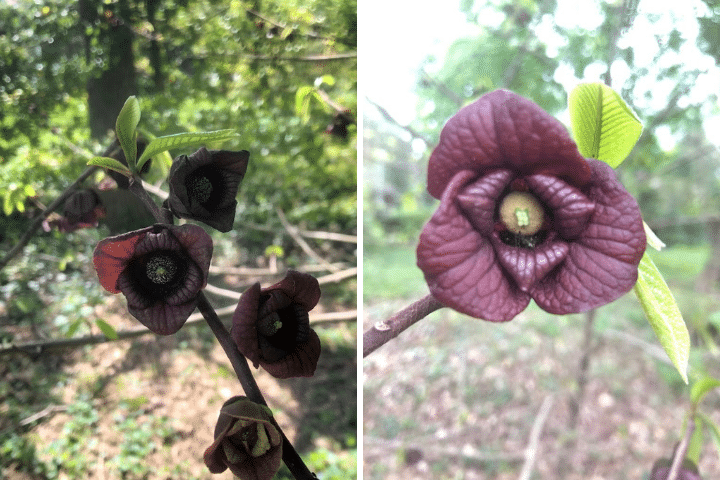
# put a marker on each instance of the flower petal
(479, 199)
(161, 318)
(300, 363)
(602, 263)
(503, 130)
(527, 266)
(570, 208)
(113, 254)
(244, 324)
(301, 288)
(460, 265)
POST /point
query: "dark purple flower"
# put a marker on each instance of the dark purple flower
(160, 270)
(203, 186)
(271, 326)
(247, 441)
(523, 215)
(688, 470)
(82, 209)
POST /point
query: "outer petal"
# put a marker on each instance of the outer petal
(300, 363)
(460, 265)
(602, 263)
(244, 324)
(301, 288)
(503, 130)
(113, 254)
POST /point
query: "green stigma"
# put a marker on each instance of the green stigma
(523, 217)
(269, 325)
(200, 188)
(161, 269)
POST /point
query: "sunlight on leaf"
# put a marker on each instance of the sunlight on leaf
(653, 239)
(604, 126)
(107, 329)
(663, 314)
(111, 164)
(182, 140)
(125, 126)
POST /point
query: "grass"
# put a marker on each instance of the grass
(391, 273)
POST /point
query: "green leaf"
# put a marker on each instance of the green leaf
(653, 239)
(701, 388)
(111, 164)
(696, 441)
(182, 140)
(107, 329)
(125, 126)
(73, 328)
(712, 428)
(663, 314)
(302, 102)
(604, 126)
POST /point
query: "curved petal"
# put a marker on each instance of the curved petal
(300, 363)
(198, 245)
(301, 288)
(528, 266)
(602, 263)
(244, 324)
(503, 130)
(570, 208)
(161, 318)
(113, 254)
(460, 265)
(479, 199)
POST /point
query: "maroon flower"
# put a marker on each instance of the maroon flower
(271, 326)
(523, 215)
(203, 186)
(160, 270)
(247, 441)
(688, 470)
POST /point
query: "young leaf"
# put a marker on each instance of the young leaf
(182, 140)
(663, 314)
(106, 329)
(696, 441)
(125, 126)
(653, 239)
(712, 428)
(701, 388)
(302, 102)
(111, 164)
(604, 126)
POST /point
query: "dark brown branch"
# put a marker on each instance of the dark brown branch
(383, 332)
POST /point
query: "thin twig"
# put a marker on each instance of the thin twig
(681, 450)
(292, 231)
(239, 363)
(382, 332)
(535, 432)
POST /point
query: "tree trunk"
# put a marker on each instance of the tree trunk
(108, 92)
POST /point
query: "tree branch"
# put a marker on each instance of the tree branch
(383, 332)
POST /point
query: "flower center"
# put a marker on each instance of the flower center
(521, 213)
(200, 187)
(161, 269)
(269, 325)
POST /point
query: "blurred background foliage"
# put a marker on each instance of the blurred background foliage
(281, 73)
(665, 62)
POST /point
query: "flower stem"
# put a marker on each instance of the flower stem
(239, 363)
(161, 215)
(383, 332)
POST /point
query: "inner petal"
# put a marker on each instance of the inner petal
(527, 266)
(571, 209)
(478, 200)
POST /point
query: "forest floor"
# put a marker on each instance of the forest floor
(458, 398)
(146, 408)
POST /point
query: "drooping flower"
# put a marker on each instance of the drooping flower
(271, 326)
(688, 470)
(82, 209)
(247, 441)
(203, 186)
(524, 216)
(160, 270)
